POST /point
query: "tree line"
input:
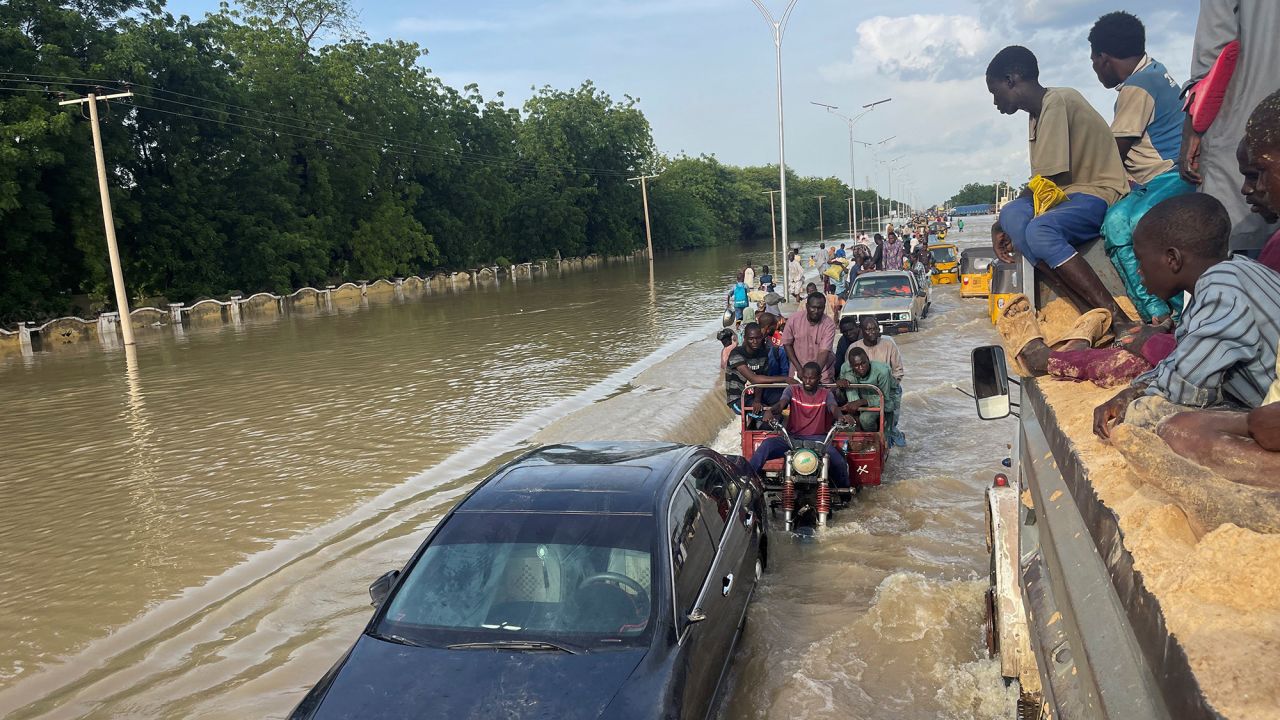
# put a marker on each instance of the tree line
(271, 145)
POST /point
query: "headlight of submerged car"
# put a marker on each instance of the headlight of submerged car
(904, 316)
(805, 462)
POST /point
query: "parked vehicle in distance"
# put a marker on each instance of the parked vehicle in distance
(592, 580)
(896, 299)
(975, 271)
(1005, 283)
(946, 264)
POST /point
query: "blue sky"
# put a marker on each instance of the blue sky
(704, 70)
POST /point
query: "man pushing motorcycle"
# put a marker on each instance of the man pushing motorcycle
(814, 410)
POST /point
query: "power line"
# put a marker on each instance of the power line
(302, 125)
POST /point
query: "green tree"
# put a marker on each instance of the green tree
(974, 194)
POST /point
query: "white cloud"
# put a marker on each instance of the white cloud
(921, 46)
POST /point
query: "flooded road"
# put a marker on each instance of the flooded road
(881, 618)
(193, 536)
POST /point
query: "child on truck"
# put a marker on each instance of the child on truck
(1226, 344)
(1244, 445)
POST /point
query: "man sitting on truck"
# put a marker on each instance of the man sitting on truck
(1070, 145)
(813, 411)
(1226, 343)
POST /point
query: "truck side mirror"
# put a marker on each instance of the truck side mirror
(990, 382)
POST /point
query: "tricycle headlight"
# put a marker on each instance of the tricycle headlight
(805, 462)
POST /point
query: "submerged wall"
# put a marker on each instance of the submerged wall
(104, 330)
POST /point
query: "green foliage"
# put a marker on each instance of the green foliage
(271, 145)
(974, 194)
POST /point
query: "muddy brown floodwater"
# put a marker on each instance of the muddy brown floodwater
(192, 535)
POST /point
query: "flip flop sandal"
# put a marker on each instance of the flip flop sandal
(1093, 327)
(1018, 327)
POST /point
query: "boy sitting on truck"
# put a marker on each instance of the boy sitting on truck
(1243, 446)
(1226, 344)
(1071, 145)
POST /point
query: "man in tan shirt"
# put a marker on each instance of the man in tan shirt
(1071, 145)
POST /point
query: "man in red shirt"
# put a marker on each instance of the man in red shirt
(810, 336)
(814, 409)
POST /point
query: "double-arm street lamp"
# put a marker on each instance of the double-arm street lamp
(853, 176)
(874, 153)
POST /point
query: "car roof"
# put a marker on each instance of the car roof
(586, 477)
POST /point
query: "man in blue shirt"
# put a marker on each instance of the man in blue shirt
(1148, 132)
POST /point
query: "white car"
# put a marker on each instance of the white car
(895, 298)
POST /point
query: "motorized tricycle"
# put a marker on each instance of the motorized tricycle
(975, 271)
(799, 482)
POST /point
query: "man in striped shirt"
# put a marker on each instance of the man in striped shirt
(1226, 344)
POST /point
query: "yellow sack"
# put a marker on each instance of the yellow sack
(834, 272)
(1045, 195)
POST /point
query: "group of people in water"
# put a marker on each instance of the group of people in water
(809, 351)
(1183, 187)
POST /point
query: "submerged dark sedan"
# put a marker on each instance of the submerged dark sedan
(595, 580)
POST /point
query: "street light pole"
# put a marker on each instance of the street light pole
(773, 224)
(853, 175)
(821, 237)
(874, 153)
(779, 28)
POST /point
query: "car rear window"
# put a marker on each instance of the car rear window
(560, 577)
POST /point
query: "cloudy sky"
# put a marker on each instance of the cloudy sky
(704, 70)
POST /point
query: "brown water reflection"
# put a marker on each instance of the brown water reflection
(130, 480)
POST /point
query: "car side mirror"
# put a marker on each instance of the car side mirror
(381, 587)
(990, 382)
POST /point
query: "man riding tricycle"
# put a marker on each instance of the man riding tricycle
(831, 444)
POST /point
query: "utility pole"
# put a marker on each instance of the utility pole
(773, 225)
(821, 238)
(117, 274)
(644, 196)
(852, 233)
(779, 28)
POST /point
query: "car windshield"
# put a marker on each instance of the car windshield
(577, 580)
(882, 286)
(943, 254)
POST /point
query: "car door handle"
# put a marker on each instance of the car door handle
(749, 520)
(728, 585)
